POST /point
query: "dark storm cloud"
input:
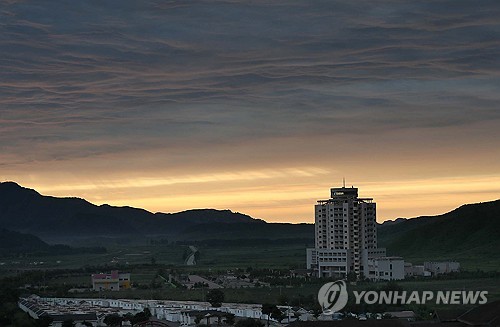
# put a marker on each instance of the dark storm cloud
(86, 77)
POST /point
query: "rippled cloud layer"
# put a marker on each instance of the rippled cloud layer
(154, 88)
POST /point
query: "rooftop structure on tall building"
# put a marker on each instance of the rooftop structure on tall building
(345, 236)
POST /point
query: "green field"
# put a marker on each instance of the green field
(211, 257)
(144, 262)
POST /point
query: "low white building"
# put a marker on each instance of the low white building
(441, 267)
(110, 282)
(329, 262)
(37, 309)
(416, 271)
(386, 268)
(94, 310)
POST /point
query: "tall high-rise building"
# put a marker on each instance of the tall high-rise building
(345, 235)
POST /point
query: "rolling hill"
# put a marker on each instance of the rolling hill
(470, 232)
(65, 219)
(15, 243)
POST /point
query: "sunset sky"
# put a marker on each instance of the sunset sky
(255, 106)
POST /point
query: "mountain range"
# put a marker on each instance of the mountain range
(66, 220)
(468, 231)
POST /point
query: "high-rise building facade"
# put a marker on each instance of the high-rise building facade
(345, 235)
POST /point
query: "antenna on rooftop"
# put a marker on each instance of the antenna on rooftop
(343, 180)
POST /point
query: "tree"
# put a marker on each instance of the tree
(249, 322)
(215, 298)
(68, 323)
(272, 311)
(352, 277)
(317, 310)
(267, 309)
(198, 319)
(147, 312)
(113, 320)
(128, 317)
(43, 321)
(229, 319)
(277, 314)
(140, 317)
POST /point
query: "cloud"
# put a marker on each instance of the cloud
(248, 82)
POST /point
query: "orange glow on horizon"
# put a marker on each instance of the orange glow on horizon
(286, 195)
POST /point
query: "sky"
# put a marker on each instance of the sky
(255, 106)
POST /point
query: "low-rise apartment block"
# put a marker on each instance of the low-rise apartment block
(114, 281)
(441, 267)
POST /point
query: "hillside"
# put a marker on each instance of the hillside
(15, 243)
(391, 229)
(62, 219)
(471, 231)
(241, 231)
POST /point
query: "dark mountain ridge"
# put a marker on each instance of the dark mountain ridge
(25, 210)
(470, 231)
